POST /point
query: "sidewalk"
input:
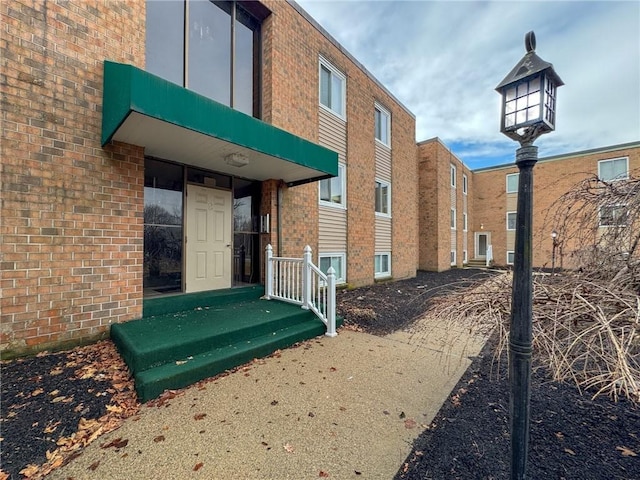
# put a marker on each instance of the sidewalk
(344, 407)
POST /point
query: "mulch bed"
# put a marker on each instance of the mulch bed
(54, 404)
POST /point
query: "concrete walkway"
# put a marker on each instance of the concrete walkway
(344, 407)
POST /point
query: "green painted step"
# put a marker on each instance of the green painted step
(152, 382)
(153, 341)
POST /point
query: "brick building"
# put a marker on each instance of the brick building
(128, 126)
(492, 202)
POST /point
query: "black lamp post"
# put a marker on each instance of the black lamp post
(554, 238)
(528, 111)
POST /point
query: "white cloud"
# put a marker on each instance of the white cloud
(443, 60)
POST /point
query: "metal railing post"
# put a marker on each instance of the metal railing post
(306, 277)
(331, 303)
(268, 273)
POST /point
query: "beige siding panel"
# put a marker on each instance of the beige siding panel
(512, 202)
(511, 240)
(383, 163)
(454, 240)
(333, 134)
(332, 226)
(383, 234)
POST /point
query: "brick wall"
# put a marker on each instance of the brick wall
(551, 178)
(71, 210)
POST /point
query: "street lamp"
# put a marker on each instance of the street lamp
(528, 111)
(554, 238)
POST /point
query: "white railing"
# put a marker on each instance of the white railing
(489, 255)
(299, 281)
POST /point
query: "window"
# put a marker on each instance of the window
(465, 259)
(383, 198)
(204, 63)
(382, 265)
(335, 260)
(332, 190)
(383, 125)
(452, 256)
(464, 184)
(464, 221)
(453, 219)
(614, 169)
(512, 182)
(453, 176)
(511, 220)
(332, 88)
(613, 215)
(510, 257)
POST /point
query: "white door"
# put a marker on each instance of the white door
(482, 241)
(208, 239)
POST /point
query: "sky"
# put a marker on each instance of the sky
(443, 60)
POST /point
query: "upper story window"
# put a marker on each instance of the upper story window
(512, 182)
(465, 184)
(453, 176)
(332, 190)
(511, 220)
(332, 88)
(383, 198)
(383, 125)
(210, 47)
(614, 169)
(613, 215)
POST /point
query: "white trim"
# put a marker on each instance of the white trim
(342, 205)
(387, 273)
(323, 62)
(343, 264)
(514, 221)
(465, 257)
(453, 173)
(510, 252)
(453, 257)
(465, 184)
(383, 111)
(465, 222)
(624, 176)
(517, 175)
(388, 185)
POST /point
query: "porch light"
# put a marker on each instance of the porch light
(528, 111)
(237, 160)
(529, 95)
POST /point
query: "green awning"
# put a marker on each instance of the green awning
(177, 124)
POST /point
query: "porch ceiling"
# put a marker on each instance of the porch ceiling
(174, 123)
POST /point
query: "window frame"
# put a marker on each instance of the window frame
(333, 71)
(383, 112)
(342, 169)
(513, 253)
(613, 208)
(465, 183)
(618, 177)
(515, 220)
(454, 219)
(465, 257)
(383, 183)
(343, 264)
(453, 172)
(453, 257)
(465, 222)
(382, 274)
(517, 176)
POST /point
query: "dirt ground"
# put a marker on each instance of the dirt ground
(572, 436)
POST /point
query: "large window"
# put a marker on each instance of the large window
(512, 182)
(382, 265)
(383, 125)
(332, 190)
(614, 169)
(613, 215)
(335, 260)
(511, 220)
(332, 88)
(383, 198)
(210, 47)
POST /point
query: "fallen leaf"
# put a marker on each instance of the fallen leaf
(626, 452)
(410, 423)
(37, 392)
(114, 409)
(94, 465)
(274, 403)
(289, 448)
(402, 415)
(199, 416)
(159, 438)
(198, 466)
(333, 369)
(30, 470)
(116, 443)
(357, 472)
(59, 399)
(559, 435)
(54, 393)
(323, 474)
(569, 451)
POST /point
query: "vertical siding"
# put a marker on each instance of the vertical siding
(454, 205)
(383, 226)
(383, 162)
(383, 234)
(332, 222)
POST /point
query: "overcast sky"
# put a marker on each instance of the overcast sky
(443, 60)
